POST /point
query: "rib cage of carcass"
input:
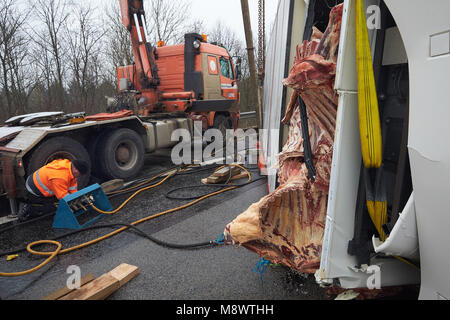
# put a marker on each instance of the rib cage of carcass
(287, 226)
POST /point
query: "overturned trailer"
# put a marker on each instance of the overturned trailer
(329, 212)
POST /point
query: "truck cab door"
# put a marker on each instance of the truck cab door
(211, 77)
(228, 82)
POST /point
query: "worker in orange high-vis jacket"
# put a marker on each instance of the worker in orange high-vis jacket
(55, 180)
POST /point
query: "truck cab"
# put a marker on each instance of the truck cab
(197, 77)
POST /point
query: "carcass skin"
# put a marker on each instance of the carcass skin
(287, 226)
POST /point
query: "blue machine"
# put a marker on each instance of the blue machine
(73, 206)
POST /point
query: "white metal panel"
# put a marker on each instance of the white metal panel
(418, 22)
(346, 65)
(273, 89)
(394, 49)
(404, 239)
(346, 167)
(27, 138)
(344, 183)
(8, 131)
(440, 44)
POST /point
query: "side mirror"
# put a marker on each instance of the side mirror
(238, 69)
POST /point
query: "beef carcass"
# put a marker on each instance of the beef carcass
(287, 226)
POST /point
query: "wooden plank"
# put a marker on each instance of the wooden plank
(225, 172)
(217, 180)
(65, 291)
(103, 287)
(241, 175)
(113, 185)
(124, 273)
(99, 289)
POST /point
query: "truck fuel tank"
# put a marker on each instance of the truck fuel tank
(159, 132)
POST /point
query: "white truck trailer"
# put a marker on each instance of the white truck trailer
(410, 41)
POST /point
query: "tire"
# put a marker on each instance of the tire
(223, 123)
(121, 154)
(59, 148)
(93, 148)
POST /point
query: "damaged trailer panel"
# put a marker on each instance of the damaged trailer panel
(306, 224)
(288, 225)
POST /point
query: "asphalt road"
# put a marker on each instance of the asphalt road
(221, 273)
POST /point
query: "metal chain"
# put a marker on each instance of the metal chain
(261, 37)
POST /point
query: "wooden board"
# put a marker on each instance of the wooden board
(103, 287)
(113, 185)
(65, 291)
(238, 174)
(99, 289)
(124, 273)
(225, 172)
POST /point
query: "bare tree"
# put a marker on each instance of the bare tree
(118, 51)
(16, 82)
(84, 47)
(166, 19)
(51, 18)
(224, 36)
(195, 26)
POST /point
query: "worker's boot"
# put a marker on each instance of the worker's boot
(29, 211)
(25, 212)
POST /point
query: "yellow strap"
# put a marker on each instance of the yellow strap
(378, 214)
(369, 117)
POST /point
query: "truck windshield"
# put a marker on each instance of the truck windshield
(226, 69)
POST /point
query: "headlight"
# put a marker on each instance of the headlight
(196, 44)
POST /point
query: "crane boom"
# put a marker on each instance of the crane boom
(133, 18)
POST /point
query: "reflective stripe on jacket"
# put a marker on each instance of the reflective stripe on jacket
(56, 179)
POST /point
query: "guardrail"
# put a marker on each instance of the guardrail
(246, 115)
(248, 120)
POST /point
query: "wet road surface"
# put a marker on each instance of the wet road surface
(221, 273)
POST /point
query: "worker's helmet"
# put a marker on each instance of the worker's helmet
(81, 166)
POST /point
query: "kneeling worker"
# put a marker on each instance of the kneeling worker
(57, 179)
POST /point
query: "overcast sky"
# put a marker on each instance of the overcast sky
(227, 11)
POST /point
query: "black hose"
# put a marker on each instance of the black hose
(131, 227)
(307, 141)
(221, 186)
(16, 225)
(138, 231)
(132, 189)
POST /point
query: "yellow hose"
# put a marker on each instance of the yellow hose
(59, 250)
(52, 255)
(134, 195)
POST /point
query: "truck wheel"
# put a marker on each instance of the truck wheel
(121, 154)
(223, 123)
(94, 147)
(59, 148)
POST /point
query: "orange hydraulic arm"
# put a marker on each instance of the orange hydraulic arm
(133, 18)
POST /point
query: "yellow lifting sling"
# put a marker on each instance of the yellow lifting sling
(369, 116)
(369, 119)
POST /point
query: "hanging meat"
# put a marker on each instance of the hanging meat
(287, 226)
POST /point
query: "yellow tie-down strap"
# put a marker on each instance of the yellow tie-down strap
(369, 116)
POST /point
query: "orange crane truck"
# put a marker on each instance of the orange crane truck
(167, 88)
(197, 78)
